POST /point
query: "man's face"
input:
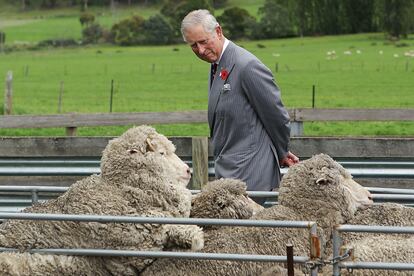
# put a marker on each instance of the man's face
(207, 46)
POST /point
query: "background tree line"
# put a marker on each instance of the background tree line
(276, 18)
(286, 18)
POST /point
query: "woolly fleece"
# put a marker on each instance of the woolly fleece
(317, 189)
(137, 178)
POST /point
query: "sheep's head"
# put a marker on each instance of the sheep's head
(224, 198)
(141, 155)
(319, 185)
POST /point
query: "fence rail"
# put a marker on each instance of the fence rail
(309, 225)
(72, 121)
(379, 162)
(16, 198)
(337, 243)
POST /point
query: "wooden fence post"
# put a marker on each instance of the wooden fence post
(60, 97)
(8, 94)
(296, 129)
(71, 131)
(200, 161)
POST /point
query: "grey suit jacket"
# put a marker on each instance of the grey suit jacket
(248, 123)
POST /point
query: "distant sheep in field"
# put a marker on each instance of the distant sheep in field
(140, 176)
(317, 189)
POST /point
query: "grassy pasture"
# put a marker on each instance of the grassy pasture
(169, 78)
(35, 25)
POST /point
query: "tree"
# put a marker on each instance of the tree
(2, 37)
(219, 3)
(86, 19)
(301, 14)
(157, 30)
(359, 15)
(176, 10)
(327, 16)
(397, 17)
(85, 5)
(275, 21)
(237, 23)
(128, 31)
(49, 3)
(92, 33)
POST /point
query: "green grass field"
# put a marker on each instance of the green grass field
(36, 25)
(376, 74)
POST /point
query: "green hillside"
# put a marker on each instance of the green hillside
(366, 71)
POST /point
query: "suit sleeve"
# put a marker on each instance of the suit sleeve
(264, 96)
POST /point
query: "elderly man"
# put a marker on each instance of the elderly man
(249, 125)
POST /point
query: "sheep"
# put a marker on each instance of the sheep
(317, 189)
(140, 176)
(381, 248)
(225, 199)
(384, 214)
(374, 247)
(24, 264)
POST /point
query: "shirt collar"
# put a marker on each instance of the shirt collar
(226, 43)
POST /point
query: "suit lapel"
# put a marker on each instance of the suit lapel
(226, 62)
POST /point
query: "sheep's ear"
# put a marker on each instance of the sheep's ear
(150, 146)
(322, 181)
(132, 151)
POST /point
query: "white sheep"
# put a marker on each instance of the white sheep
(373, 247)
(317, 189)
(24, 264)
(384, 214)
(140, 176)
(225, 199)
(381, 248)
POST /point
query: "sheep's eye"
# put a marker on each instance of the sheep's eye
(162, 153)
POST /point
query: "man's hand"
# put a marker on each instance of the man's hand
(289, 160)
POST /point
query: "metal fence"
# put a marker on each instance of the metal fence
(310, 225)
(44, 166)
(337, 243)
(15, 198)
(395, 194)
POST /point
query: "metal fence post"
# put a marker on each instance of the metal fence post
(336, 243)
(35, 197)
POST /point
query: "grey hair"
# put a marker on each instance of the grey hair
(197, 17)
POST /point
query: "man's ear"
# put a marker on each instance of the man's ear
(219, 32)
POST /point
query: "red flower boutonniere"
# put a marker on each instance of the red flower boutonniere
(224, 74)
